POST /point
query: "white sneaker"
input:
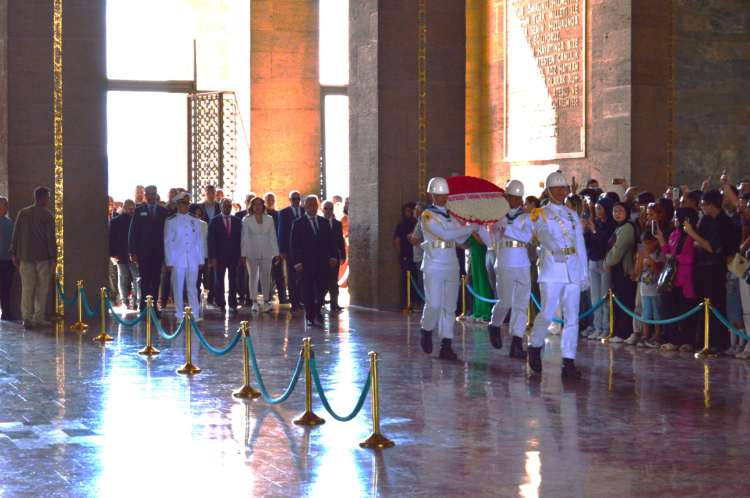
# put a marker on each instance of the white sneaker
(594, 336)
(732, 351)
(267, 308)
(616, 340)
(255, 308)
(590, 330)
(745, 353)
(633, 339)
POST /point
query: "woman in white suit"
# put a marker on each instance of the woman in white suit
(259, 248)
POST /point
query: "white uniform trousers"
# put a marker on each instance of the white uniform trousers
(441, 296)
(513, 292)
(181, 277)
(571, 299)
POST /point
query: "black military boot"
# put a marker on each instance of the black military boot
(569, 369)
(495, 337)
(535, 358)
(427, 341)
(516, 348)
(446, 352)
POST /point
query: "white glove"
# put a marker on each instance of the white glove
(585, 285)
(559, 256)
(475, 227)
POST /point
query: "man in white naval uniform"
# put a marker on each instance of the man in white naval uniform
(184, 254)
(510, 236)
(563, 273)
(440, 267)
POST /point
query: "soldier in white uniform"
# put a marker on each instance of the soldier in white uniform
(440, 267)
(184, 254)
(563, 273)
(510, 236)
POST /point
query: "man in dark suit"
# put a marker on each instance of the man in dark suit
(313, 254)
(248, 199)
(209, 209)
(277, 271)
(340, 254)
(146, 244)
(119, 230)
(286, 218)
(243, 280)
(224, 239)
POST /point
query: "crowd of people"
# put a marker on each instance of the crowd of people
(661, 256)
(230, 256)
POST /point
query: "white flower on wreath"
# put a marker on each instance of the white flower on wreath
(479, 208)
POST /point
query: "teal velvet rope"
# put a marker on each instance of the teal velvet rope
(117, 317)
(658, 322)
(161, 330)
(62, 297)
(86, 305)
(727, 324)
(263, 391)
(324, 400)
(218, 352)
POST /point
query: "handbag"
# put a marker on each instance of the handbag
(668, 274)
(738, 266)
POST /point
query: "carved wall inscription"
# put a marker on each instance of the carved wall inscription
(545, 79)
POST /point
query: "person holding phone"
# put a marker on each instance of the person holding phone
(619, 264)
(598, 235)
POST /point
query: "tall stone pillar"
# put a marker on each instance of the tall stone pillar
(384, 127)
(285, 98)
(27, 110)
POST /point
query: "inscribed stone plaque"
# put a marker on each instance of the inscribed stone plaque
(545, 79)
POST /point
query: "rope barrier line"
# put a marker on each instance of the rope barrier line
(324, 400)
(62, 297)
(416, 288)
(263, 391)
(218, 352)
(161, 330)
(86, 305)
(117, 317)
(727, 324)
(658, 322)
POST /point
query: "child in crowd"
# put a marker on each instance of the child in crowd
(650, 263)
(734, 311)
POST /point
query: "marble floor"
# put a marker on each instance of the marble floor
(78, 418)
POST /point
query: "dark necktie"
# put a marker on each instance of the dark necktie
(151, 208)
(229, 234)
(315, 225)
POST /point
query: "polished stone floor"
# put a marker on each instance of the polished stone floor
(78, 418)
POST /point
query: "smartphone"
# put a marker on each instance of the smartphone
(675, 193)
(641, 247)
(654, 227)
(710, 177)
(643, 209)
(574, 178)
(616, 181)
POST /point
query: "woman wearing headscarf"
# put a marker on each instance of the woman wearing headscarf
(597, 235)
(619, 264)
(682, 298)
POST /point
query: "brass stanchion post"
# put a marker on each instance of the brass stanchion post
(149, 350)
(611, 316)
(308, 418)
(463, 291)
(104, 336)
(408, 292)
(376, 439)
(188, 368)
(245, 391)
(706, 352)
(528, 318)
(80, 325)
(57, 316)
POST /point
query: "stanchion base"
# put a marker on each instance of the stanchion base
(407, 311)
(461, 318)
(79, 326)
(246, 392)
(188, 369)
(57, 317)
(377, 441)
(149, 350)
(309, 418)
(705, 353)
(605, 340)
(104, 337)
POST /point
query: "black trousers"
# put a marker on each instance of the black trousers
(6, 281)
(333, 285)
(407, 264)
(711, 283)
(221, 269)
(293, 284)
(314, 289)
(208, 283)
(243, 285)
(150, 269)
(676, 304)
(165, 287)
(625, 290)
(277, 279)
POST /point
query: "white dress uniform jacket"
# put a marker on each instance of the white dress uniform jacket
(183, 241)
(510, 246)
(259, 241)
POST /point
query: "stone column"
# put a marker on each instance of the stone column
(285, 98)
(27, 110)
(383, 123)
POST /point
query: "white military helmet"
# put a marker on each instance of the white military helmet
(438, 186)
(556, 179)
(514, 188)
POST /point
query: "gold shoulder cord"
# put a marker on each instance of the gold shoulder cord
(427, 218)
